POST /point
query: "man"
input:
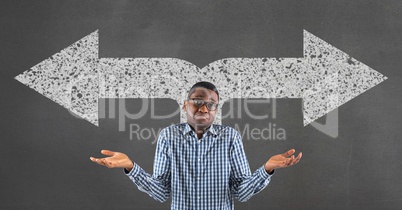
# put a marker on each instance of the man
(201, 164)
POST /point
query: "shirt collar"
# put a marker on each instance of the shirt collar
(187, 130)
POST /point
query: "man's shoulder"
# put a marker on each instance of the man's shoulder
(182, 127)
(221, 129)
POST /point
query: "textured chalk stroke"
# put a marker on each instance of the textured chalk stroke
(70, 78)
(325, 78)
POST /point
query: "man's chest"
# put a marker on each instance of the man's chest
(208, 156)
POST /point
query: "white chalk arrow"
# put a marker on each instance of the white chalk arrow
(325, 78)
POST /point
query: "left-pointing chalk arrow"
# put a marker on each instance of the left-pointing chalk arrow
(76, 78)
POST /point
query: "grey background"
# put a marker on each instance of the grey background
(45, 150)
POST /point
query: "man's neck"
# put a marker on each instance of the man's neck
(200, 130)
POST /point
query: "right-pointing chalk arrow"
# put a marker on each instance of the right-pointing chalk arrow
(325, 78)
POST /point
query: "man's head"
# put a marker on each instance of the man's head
(201, 105)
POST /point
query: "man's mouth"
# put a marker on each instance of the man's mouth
(201, 117)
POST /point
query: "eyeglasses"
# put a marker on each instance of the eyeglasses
(211, 106)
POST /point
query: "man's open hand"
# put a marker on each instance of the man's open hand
(282, 160)
(116, 160)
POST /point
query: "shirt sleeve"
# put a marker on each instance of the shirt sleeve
(243, 184)
(158, 185)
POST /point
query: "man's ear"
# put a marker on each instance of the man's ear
(184, 105)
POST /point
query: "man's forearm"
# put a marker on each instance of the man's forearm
(156, 188)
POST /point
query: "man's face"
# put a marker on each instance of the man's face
(200, 118)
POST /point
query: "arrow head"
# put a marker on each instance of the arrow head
(69, 78)
(334, 78)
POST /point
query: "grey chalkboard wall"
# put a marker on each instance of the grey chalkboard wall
(45, 150)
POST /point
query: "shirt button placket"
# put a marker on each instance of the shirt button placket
(198, 174)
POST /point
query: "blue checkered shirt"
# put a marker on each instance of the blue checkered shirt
(206, 173)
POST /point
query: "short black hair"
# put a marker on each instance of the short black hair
(204, 84)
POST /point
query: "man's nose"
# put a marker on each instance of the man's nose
(203, 108)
